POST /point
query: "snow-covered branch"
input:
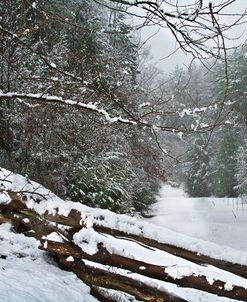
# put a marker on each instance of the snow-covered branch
(56, 99)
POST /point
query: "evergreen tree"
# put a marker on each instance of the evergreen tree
(77, 50)
(197, 172)
(225, 165)
(100, 181)
(241, 169)
(237, 82)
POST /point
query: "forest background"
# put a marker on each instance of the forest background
(85, 113)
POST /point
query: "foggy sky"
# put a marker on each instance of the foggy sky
(163, 43)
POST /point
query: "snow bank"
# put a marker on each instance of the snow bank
(28, 275)
(42, 200)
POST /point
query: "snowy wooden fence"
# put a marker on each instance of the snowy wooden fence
(56, 233)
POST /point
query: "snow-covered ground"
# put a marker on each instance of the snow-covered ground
(200, 224)
(219, 220)
(28, 275)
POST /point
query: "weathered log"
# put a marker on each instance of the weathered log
(14, 205)
(103, 256)
(4, 219)
(25, 220)
(198, 258)
(74, 220)
(102, 278)
(99, 294)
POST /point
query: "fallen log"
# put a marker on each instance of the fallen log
(198, 258)
(74, 220)
(103, 256)
(106, 295)
(97, 293)
(25, 220)
(14, 205)
(4, 219)
(31, 225)
(102, 278)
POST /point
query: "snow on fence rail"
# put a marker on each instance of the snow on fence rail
(89, 242)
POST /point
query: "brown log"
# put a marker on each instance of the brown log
(25, 221)
(16, 205)
(42, 227)
(65, 249)
(153, 271)
(100, 295)
(15, 196)
(102, 278)
(13, 218)
(74, 219)
(237, 269)
(4, 219)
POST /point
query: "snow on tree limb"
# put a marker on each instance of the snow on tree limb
(57, 99)
(200, 127)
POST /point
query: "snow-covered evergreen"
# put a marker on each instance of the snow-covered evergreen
(241, 169)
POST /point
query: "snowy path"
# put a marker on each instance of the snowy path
(219, 220)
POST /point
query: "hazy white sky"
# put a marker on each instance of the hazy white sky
(163, 43)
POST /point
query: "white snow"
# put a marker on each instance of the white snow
(4, 198)
(58, 99)
(180, 221)
(54, 237)
(26, 220)
(214, 227)
(221, 221)
(176, 267)
(53, 65)
(142, 268)
(191, 295)
(27, 275)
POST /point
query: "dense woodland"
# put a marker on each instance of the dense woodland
(74, 152)
(188, 125)
(84, 113)
(215, 161)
